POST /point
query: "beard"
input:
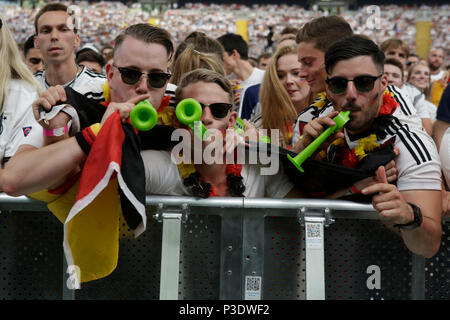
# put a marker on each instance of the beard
(364, 116)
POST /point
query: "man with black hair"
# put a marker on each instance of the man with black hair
(237, 66)
(356, 83)
(33, 56)
(314, 39)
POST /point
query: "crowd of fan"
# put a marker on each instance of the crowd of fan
(318, 65)
(101, 22)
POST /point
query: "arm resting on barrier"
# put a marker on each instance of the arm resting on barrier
(393, 206)
(31, 170)
(426, 239)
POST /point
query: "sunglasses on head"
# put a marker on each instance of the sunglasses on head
(364, 83)
(218, 110)
(154, 79)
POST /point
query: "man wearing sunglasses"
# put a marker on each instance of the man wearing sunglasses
(314, 39)
(355, 82)
(139, 71)
(163, 176)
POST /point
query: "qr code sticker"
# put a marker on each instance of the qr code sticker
(253, 283)
(252, 288)
(313, 230)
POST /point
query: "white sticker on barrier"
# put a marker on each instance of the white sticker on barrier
(253, 288)
(314, 235)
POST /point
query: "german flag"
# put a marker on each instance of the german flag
(111, 186)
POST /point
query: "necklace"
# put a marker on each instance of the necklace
(199, 188)
(339, 150)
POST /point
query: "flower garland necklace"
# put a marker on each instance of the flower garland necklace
(202, 189)
(339, 151)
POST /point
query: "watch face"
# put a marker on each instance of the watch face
(417, 215)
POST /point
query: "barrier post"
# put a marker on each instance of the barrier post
(230, 256)
(315, 251)
(170, 250)
(253, 254)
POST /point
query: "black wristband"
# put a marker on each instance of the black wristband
(416, 222)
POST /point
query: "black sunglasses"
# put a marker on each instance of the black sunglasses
(218, 110)
(364, 83)
(154, 79)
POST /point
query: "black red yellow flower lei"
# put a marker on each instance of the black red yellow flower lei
(202, 189)
(342, 154)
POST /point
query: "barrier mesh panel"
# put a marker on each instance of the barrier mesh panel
(200, 258)
(356, 253)
(284, 260)
(137, 275)
(437, 270)
(31, 256)
(351, 247)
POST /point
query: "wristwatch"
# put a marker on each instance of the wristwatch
(417, 219)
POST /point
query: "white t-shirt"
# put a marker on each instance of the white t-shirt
(163, 178)
(444, 153)
(255, 78)
(86, 82)
(418, 163)
(13, 121)
(438, 76)
(424, 108)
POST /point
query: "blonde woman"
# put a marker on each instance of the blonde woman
(18, 90)
(192, 59)
(283, 95)
(419, 76)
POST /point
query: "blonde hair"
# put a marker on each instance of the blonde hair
(191, 59)
(13, 66)
(204, 75)
(276, 105)
(427, 90)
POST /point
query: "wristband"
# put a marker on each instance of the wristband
(58, 131)
(86, 137)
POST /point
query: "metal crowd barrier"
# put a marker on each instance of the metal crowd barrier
(227, 248)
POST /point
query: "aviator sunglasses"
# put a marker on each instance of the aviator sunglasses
(154, 79)
(218, 110)
(364, 83)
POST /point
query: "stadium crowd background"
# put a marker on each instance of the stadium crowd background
(100, 22)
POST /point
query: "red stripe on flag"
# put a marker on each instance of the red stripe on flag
(106, 149)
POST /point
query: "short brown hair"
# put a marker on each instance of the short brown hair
(148, 34)
(324, 31)
(396, 63)
(394, 43)
(52, 7)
